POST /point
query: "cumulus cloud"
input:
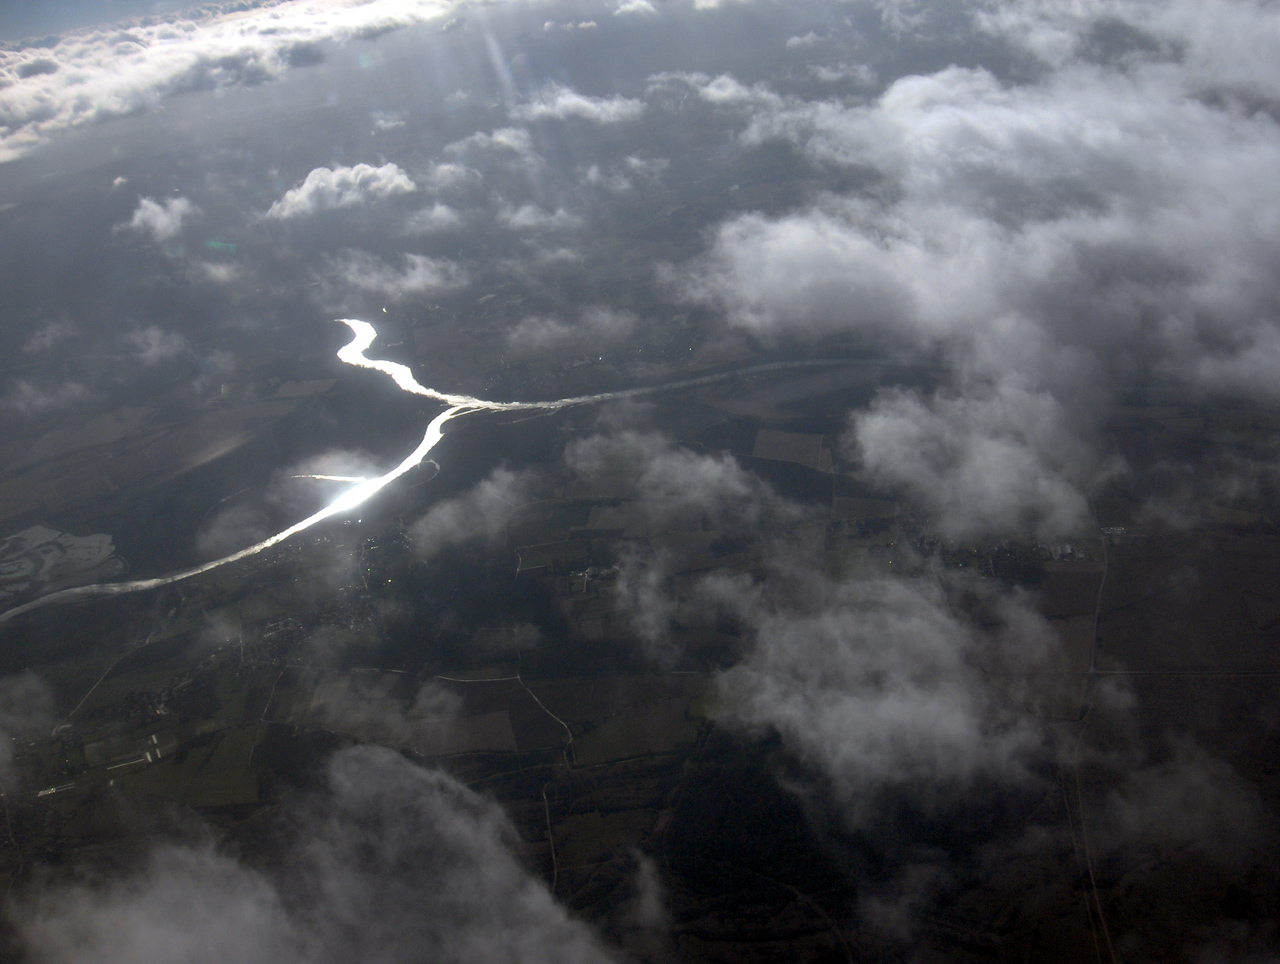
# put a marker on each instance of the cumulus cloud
(48, 335)
(393, 863)
(871, 681)
(530, 217)
(217, 272)
(1000, 462)
(443, 176)
(385, 121)
(679, 488)
(419, 274)
(438, 217)
(96, 74)
(25, 397)
(504, 140)
(233, 528)
(1046, 239)
(1091, 218)
(325, 189)
(803, 40)
(161, 220)
(558, 102)
(26, 711)
(152, 345)
(1191, 799)
(476, 516)
(596, 330)
(363, 708)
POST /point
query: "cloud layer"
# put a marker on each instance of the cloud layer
(395, 863)
(90, 76)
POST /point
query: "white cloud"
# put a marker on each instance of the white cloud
(394, 863)
(506, 145)
(438, 217)
(634, 167)
(27, 398)
(559, 102)
(97, 74)
(153, 344)
(649, 168)
(444, 176)
(611, 181)
(325, 189)
(47, 336)
(1224, 46)
(1069, 209)
(1052, 238)
(677, 488)
(872, 681)
(596, 330)
(633, 6)
(530, 217)
(219, 272)
(26, 712)
(1001, 461)
(861, 74)
(803, 40)
(420, 274)
(478, 515)
(161, 220)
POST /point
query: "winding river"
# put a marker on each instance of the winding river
(353, 353)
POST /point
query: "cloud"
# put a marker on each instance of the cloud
(611, 182)
(161, 221)
(596, 330)
(326, 189)
(633, 6)
(530, 217)
(999, 462)
(394, 863)
(551, 25)
(232, 529)
(420, 274)
(48, 335)
(444, 176)
(871, 681)
(385, 121)
(679, 488)
(1190, 800)
(803, 40)
(363, 708)
(558, 102)
(1083, 220)
(1044, 240)
(643, 593)
(26, 711)
(634, 167)
(153, 344)
(27, 398)
(476, 516)
(217, 272)
(515, 140)
(438, 217)
(861, 74)
(292, 492)
(93, 75)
